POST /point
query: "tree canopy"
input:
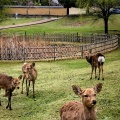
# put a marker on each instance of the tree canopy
(102, 10)
(67, 4)
(105, 6)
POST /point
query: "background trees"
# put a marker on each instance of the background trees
(104, 7)
(102, 10)
(67, 4)
(2, 9)
(85, 4)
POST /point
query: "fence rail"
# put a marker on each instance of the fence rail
(43, 46)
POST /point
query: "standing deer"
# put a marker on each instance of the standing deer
(30, 74)
(8, 83)
(76, 110)
(96, 60)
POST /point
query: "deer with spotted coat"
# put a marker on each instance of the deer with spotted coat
(96, 60)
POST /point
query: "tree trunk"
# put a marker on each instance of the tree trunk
(106, 25)
(67, 11)
(87, 10)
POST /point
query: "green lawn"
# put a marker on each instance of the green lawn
(53, 85)
(53, 89)
(13, 21)
(83, 24)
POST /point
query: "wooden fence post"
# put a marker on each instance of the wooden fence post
(82, 51)
(54, 52)
(24, 52)
(77, 37)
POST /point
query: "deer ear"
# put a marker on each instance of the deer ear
(10, 77)
(77, 90)
(20, 77)
(98, 87)
(33, 64)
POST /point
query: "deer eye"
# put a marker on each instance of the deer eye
(86, 96)
(94, 94)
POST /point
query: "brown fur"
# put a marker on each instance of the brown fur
(93, 60)
(30, 74)
(9, 84)
(76, 110)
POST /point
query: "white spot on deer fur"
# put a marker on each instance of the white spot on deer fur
(101, 59)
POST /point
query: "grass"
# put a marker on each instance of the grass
(81, 24)
(53, 85)
(53, 89)
(11, 21)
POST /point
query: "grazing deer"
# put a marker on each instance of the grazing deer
(30, 74)
(9, 84)
(76, 110)
(96, 60)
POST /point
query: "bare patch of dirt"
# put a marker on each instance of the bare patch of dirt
(77, 24)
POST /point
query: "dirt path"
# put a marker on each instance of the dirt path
(31, 23)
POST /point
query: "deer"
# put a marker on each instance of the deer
(95, 61)
(85, 110)
(8, 83)
(30, 75)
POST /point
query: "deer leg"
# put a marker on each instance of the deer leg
(92, 72)
(0, 100)
(9, 100)
(102, 74)
(95, 73)
(99, 72)
(27, 86)
(22, 85)
(0, 103)
(33, 82)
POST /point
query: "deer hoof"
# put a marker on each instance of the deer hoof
(27, 94)
(102, 78)
(21, 92)
(95, 77)
(7, 107)
(91, 78)
(98, 78)
(34, 96)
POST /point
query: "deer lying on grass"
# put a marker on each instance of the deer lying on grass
(76, 110)
(30, 74)
(96, 60)
(9, 84)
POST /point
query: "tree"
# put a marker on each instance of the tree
(85, 3)
(67, 4)
(104, 7)
(2, 8)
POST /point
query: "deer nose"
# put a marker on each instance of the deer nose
(18, 87)
(94, 102)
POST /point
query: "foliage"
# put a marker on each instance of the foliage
(2, 9)
(44, 3)
(85, 3)
(103, 8)
(67, 4)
